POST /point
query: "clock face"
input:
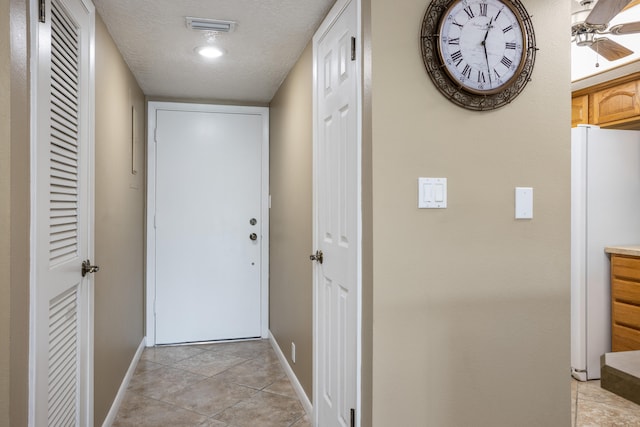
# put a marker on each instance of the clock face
(481, 44)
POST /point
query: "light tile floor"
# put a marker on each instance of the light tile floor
(592, 406)
(238, 384)
(242, 384)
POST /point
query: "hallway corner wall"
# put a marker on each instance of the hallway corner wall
(119, 220)
(14, 212)
(5, 212)
(291, 218)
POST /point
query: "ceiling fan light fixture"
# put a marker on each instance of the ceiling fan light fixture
(585, 39)
(214, 25)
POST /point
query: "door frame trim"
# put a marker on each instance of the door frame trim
(150, 289)
(328, 22)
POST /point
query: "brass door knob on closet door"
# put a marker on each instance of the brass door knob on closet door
(88, 268)
(318, 256)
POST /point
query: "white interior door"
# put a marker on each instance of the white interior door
(62, 304)
(208, 225)
(337, 230)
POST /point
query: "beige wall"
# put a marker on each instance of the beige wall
(5, 211)
(14, 213)
(290, 217)
(119, 239)
(471, 307)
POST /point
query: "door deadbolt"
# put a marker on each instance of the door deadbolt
(253, 236)
(88, 268)
(318, 256)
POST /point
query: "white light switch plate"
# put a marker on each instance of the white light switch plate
(432, 193)
(524, 203)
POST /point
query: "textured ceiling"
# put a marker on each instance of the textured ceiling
(159, 48)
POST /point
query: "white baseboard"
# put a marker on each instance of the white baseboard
(113, 412)
(306, 403)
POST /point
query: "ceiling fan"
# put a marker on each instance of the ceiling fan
(591, 22)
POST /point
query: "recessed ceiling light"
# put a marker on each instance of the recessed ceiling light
(210, 52)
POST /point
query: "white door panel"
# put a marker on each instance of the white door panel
(61, 391)
(336, 220)
(208, 188)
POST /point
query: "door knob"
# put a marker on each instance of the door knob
(88, 268)
(318, 256)
(253, 236)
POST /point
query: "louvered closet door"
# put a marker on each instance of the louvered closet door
(63, 298)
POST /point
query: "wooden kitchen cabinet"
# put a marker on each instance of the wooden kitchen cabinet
(614, 104)
(579, 110)
(625, 302)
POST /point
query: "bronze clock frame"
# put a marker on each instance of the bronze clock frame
(454, 92)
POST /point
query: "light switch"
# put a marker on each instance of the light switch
(524, 203)
(432, 193)
(439, 197)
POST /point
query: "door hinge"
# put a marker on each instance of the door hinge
(353, 417)
(42, 10)
(353, 48)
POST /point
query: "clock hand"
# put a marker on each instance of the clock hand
(484, 46)
(484, 41)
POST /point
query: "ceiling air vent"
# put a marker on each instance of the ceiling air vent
(216, 25)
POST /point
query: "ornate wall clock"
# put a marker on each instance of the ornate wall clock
(478, 53)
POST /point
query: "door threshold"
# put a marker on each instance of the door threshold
(209, 342)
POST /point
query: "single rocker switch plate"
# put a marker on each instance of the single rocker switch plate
(524, 203)
(432, 193)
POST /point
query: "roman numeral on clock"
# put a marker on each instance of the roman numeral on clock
(510, 45)
(469, 12)
(506, 30)
(456, 41)
(483, 9)
(506, 61)
(467, 71)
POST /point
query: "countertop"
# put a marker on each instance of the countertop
(631, 250)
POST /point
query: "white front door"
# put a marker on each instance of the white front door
(62, 303)
(336, 218)
(209, 223)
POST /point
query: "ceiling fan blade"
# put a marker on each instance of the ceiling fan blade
(628, 28)
(609, 49)
(605, 10)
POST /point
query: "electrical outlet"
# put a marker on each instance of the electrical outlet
(293, 352)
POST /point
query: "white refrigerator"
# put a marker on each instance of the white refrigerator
(605, 211)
